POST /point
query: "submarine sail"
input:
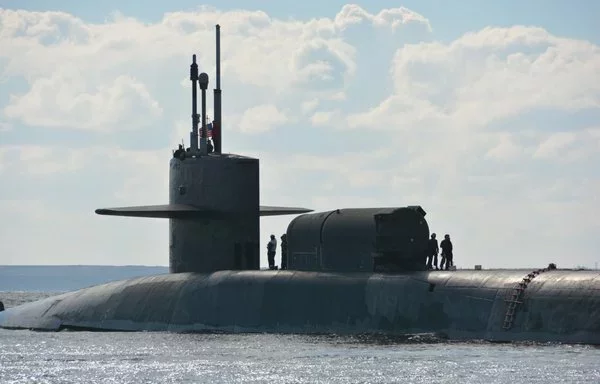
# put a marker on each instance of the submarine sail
(213, 225)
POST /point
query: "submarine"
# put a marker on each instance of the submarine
(347, 270)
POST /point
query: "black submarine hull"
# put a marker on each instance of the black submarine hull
(556, 306)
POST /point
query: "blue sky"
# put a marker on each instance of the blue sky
(486, 114)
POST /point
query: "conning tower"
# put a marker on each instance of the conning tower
(213, 208)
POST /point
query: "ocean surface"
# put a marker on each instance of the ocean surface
(97, 357)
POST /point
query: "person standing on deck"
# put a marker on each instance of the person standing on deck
(433, 250)
(271, 250)
(447, 256)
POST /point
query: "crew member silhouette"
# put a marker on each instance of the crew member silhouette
(447, 257)
(432, 254)
(271, 250)
(179, 152)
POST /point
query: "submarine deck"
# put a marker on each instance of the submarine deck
(556, 305)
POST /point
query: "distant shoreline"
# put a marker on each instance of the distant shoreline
(82, 265)
(53, 278)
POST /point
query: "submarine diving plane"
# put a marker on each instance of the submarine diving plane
(349, 270)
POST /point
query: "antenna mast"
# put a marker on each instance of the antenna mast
(217, 126)
(203, 80)
(195, 116)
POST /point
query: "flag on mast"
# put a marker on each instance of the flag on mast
(209, 127)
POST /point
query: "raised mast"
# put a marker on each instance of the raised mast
(217, 123)
(195, 117)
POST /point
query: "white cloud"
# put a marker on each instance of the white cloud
(458, 127)
(323, 118)
(310, 105)
(488, 75)
(261, 119)
(506, 149)
(555, 144)
(354, 14)
(67, 99)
